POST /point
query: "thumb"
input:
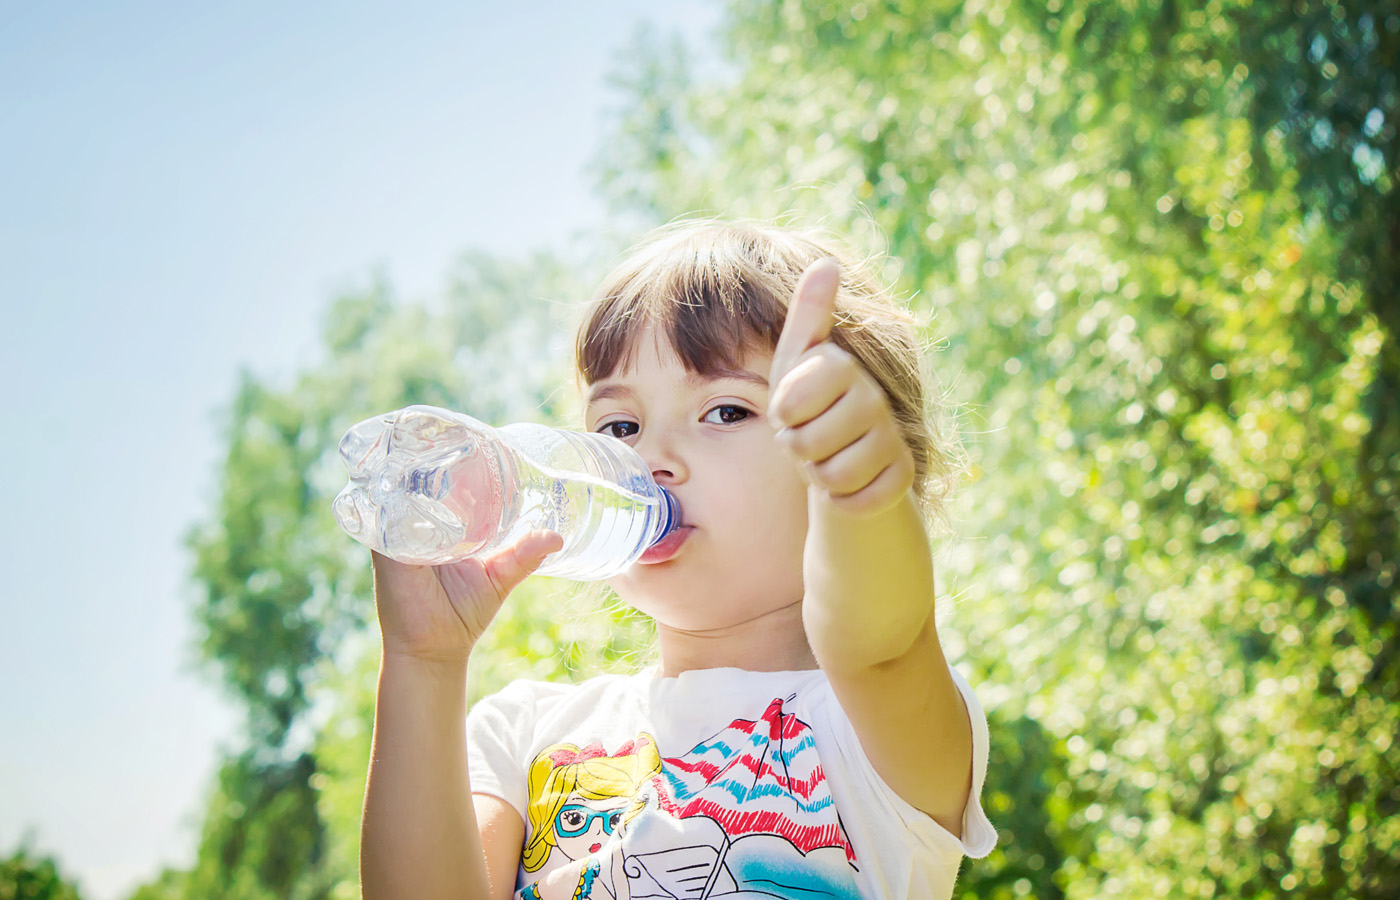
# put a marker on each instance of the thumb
(509, 566)
(810, 315)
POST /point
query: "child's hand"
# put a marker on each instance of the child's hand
(437, 613)
(832, 415)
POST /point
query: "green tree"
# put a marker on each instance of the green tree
(25, 876)
(286, 609)
(1157, 242)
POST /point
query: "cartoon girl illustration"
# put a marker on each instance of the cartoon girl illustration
(580, 798)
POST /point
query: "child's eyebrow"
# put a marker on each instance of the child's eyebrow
(608, 391)
(728, 374)
(611, 390)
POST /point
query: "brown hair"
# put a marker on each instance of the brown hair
(718, 290)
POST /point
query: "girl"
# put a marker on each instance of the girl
(813, 740)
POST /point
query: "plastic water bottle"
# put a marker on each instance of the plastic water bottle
(429, 486)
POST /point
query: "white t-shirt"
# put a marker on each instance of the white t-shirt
(718, 783)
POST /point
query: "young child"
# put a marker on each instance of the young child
(803, 734)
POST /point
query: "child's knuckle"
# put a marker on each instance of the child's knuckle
(780, 407)
(846, 478)
(870, 393)
(858, 503)
(799, 442)
(835, 361)
(828, 473)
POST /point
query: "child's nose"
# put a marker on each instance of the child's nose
(663, 458)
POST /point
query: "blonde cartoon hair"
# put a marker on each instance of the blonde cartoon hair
(564, 770)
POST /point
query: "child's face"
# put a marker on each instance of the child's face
(743, 503)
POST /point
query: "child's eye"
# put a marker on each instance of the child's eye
(620, 429)
(726, 414)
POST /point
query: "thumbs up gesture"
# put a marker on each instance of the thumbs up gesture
(830, 412)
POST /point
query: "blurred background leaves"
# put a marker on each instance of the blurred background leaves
(1157, 245)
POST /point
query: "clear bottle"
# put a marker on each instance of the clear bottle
(429, 486)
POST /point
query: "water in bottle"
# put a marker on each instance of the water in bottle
(429, 486)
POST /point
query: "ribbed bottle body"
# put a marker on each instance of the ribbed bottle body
(429, 486)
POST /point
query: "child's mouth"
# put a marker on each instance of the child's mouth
(667, 547)
(595, 848)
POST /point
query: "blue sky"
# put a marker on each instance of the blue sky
(182, 189)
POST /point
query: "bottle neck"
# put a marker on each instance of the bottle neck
(669, 518)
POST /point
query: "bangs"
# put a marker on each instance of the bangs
(714, 297)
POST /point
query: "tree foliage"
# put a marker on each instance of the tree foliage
(286, 610)
(1158, 246)
(25, 876)
(1158, 242)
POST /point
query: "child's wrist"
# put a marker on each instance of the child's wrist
(436, 663)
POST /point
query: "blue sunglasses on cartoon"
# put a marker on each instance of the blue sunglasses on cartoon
(575, 819)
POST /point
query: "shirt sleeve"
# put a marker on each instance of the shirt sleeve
(496, 729)
(978, 836)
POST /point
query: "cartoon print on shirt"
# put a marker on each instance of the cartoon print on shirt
(745, 813)
(580, 797)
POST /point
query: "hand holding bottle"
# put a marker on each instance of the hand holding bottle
(437, 613)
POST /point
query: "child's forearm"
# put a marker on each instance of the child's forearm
(868, 610)
(419, 836)
(868, 583)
